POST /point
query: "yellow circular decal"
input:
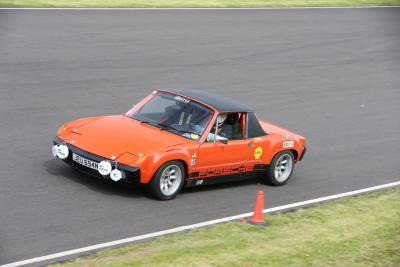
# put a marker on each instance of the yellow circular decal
(258, 152)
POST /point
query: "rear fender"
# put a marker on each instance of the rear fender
(277, 146)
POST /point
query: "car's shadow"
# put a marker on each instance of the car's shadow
(221, 186)
(63, 171)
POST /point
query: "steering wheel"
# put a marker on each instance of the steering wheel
(191, 126)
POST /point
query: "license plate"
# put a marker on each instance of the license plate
(85, 162)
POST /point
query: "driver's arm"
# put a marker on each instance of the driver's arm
(226, 131)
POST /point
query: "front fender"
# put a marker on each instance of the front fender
(151, 164)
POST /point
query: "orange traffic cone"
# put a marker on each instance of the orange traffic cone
(258, 217)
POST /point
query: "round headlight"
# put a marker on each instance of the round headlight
(117, 175)
(62, 151)
(54, 150)
(104, 167)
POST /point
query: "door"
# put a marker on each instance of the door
(228, 156)
(217, 158)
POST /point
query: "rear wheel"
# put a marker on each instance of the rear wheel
(281, 168)
(168, 180)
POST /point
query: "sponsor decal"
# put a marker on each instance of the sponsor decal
(258, 152)
(287, 144)
(181, 99)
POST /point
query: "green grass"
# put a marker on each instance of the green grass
(355, 231)
(194, 3)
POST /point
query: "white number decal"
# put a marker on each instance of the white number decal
(287, 144)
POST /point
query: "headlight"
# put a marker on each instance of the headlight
(104, 167)
(60, 151)
(54, 150)
(61, 129)
(117, 175)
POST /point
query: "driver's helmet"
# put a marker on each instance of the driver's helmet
(222, 119)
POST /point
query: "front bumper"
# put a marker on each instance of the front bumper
(132, 173)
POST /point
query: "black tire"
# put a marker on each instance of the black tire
(273, 178)
(157, 189)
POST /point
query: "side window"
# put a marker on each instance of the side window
(235, 122)
(230, 127)
(254, 128)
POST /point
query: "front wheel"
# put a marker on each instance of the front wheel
(168, 180)
(280, 169)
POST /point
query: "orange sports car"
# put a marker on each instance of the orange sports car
(180, 137)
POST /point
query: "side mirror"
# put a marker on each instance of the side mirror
(211, 138)
(224, 141)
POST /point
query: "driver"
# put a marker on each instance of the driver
(224, 129)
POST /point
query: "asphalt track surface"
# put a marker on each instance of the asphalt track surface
(332, 75)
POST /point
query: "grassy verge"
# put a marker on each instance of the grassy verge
(356, 231)
(194, 3)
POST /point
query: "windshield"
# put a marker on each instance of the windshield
(176, 114)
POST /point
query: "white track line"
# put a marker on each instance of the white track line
(193, 226)
(191, 8)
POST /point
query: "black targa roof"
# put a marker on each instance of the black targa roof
(221, 103)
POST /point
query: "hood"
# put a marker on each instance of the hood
(112, 136)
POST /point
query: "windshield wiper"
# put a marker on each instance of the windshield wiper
(186, 131)
(159, 125)
(155, 124)
(166, 126)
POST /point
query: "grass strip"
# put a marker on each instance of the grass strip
(354, 231)
(196, 3)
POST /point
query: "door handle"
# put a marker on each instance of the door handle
(250, 144)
